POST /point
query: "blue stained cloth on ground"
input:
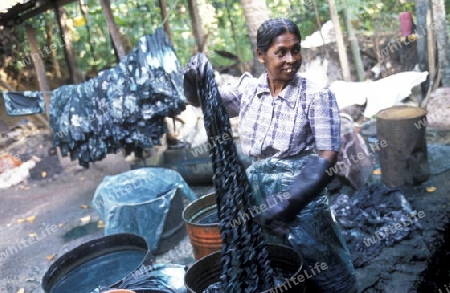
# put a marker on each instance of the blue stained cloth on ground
(367, 218)
(314, 234)
(123, 107)
(24, 103)
(137, 201)
(438, 158)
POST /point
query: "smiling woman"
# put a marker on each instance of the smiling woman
(288, 125)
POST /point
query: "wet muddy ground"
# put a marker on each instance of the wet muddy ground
(55, 211)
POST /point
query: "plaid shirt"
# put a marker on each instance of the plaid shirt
(303, 117)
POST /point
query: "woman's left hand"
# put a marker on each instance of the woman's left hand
(276, 218)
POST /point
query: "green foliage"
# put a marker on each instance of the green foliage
(136, 18)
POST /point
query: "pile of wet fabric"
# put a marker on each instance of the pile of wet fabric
(373, 218)
(123, 107)
(244, 254)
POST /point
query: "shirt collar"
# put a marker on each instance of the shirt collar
(290, 94)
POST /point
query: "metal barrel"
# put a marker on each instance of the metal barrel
(402, 146)
(286, 262)
(203, 235)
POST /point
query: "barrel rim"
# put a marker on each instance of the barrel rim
(191, 205)
(70, 261)
(420, 112)
(272, 247)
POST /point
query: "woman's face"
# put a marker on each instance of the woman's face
(283, 59)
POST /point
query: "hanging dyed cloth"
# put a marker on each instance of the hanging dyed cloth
(24, 103)
(124, 107)
(245, 258)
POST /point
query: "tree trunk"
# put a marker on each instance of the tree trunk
(84, 11)
(319, 27)
(197, 26)
(422, 7)
(236, 44)
(67, 44)
(339, 41)
(440, 28)
(113, 31)
(356, 51)
(53, 53)
(255, 12)
(165, 17)
(39, 66)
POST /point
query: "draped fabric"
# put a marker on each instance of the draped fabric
(123, 107)
(245, 259)
(24, 103)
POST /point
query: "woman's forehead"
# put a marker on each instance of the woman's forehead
(285, 39)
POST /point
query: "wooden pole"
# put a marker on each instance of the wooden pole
(165, 17)
(356, 51)
(49, 25)
(422, 7)
(343, 59)
(197, 27)
(439, 26)
(39, 66)
(67, 44)
(255, 12)
(319, 26)
(113, 31)
(430, 45)
(84, 11)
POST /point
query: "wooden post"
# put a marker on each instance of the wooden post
(84, 11)
(67, 44)
(113, 31)
(197, 27)
(39, 66)
(343, 59)
(49, 25)
(430, 45)
(422, 7)
(165, 17)
(255, 12)
(439, 26)
(354, 46)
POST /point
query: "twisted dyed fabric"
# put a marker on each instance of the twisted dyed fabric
(245, 258)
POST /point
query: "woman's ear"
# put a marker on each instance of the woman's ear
(260, 56)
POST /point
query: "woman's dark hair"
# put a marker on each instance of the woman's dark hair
(273, 28)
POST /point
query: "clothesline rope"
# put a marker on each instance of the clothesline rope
(18, 92)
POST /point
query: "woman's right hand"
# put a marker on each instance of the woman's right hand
(194, 74)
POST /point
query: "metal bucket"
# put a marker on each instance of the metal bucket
(285, 261)
(402, 144)
(201, 220)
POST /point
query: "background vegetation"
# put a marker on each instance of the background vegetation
(136, 18)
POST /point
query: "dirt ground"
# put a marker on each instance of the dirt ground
(54, 212)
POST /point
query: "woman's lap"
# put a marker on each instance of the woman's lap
(314, 234)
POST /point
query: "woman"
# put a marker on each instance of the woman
(291, 128)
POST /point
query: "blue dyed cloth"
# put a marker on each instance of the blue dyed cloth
(24, 103)
(314, 234)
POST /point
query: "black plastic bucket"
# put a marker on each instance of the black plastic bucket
(286, 262)
(100, 262)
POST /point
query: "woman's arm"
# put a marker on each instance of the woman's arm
(231, 94)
